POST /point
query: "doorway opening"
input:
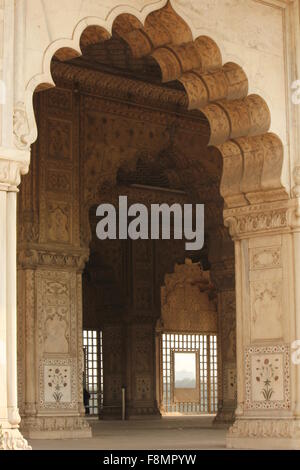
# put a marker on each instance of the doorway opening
(93, 372)
(189, 366)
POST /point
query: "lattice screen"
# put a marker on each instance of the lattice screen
(93, 357)
(205, 346)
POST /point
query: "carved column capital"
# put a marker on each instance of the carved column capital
(257, 219)
(32, 256)
(267, 218)
(13, 164)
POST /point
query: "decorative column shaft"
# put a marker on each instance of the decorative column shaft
(267, 272)
(11, 310)
(296, 254)
(297, 326)
(3, 321)
(12, 164)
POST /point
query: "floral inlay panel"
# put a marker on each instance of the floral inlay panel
(58, 384)
(267, 377)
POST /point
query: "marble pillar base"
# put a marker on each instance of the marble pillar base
(225, 417)
(56, 427)
(264, 434)
(12, 439)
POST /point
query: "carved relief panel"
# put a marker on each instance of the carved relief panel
(57, 149)
(267, 287)
(267, 367)
(59, 133)
(57, 321)
(185, 300)
(56, 304)
(59, 222)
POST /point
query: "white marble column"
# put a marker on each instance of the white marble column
(3, 361)
(11, 308)
(10, 171)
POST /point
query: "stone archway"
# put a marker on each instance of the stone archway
(239, 122)
(257, 211)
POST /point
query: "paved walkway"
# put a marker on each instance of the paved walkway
(174, 433)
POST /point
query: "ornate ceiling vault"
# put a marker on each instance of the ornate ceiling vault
(238, 122)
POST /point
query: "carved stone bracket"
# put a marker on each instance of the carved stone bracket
(29, 257)
(21, 127)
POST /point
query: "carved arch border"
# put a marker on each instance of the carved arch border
(239, 123)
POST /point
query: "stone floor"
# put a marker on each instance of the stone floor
(175, 433)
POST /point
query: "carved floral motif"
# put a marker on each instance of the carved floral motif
(256, 218)
(266, 374)
(267, 377)
(21, 127)
(58, 384)
(56, 423)
(262, 428)
(263, 258)
(58, 381)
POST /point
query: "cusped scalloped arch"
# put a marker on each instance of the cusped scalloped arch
(239, 123)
